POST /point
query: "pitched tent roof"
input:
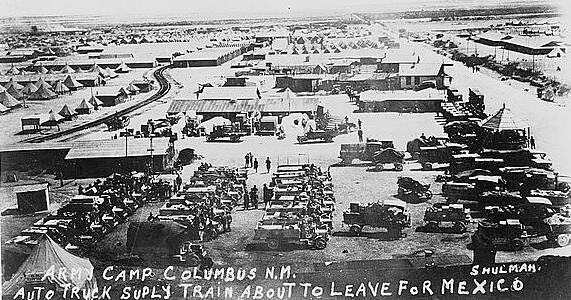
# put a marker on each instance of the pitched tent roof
(504, 119)
(45, 255)
(42, 70)
(67, 69)
(14, 84)
(42, 81)
(13, 71)
(84, 105)
(7, 100)
(71, 83)
(60, 88)
(52, 119)
(132, 88)
(29, 88)
(15, 93)
(3, 108)
(122, 68)
(65, 111)
(110, 73)
(43, 93)
(94, 101)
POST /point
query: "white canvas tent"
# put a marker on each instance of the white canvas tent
(45, 255)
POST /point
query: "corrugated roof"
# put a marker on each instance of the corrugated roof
(116, 148)
(225, 106)
(420, 69)
(206, 54)
(230, 92)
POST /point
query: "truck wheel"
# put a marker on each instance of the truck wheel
(459, 227)
(192, 260)
(300, 139)
(273, 244)
(398, 167)
(355, 229)
(432, 227)
(379, 167)
(428, 195)
(516, 244)
(426, 166)
(400, 192)
(320, 243)
(562, 240)
(207, 263)
(329, 139)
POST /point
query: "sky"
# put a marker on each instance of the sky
(229, 8)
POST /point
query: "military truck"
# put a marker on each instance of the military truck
(224, 131)
(391, 215)
(305, 232)
(442, 217)
(325, 135)
(363, 151)
(165, 243)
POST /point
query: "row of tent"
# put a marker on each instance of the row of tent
(66, 69)
(67, 114)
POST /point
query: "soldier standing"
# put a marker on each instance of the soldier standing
(256, 164)
(246, 200)
(254, 196)
(268, 164)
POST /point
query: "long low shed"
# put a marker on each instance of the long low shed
(211, 108)
(104, 63)
(104, 157)
(208, 57)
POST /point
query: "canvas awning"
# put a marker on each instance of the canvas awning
(504, 119)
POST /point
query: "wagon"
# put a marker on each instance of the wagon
(388, 156)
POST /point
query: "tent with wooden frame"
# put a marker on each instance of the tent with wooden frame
(60, 88)
(95, 102)
(3, 109)
(84, 108)
(71, 83)
(123, 68)
(42, 70)
(14, 84)
(7, 100)
(133, 89)
(42, 81)
(29, 89)
(43, 93)
(15, 93)
(13, 71)
(67, 70)
(111, 73)
(52, 119)
(66, 113)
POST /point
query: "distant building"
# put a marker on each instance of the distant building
(414, 74)
(299, 83)
(111, 95)
(208, 57)
(105, 157)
